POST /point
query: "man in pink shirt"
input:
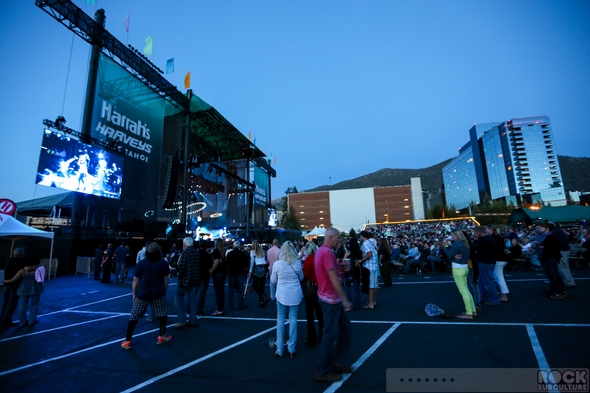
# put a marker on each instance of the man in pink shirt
(334, 304)
(271, 257)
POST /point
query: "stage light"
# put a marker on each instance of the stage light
(59, 122)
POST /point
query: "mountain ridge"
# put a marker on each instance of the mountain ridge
(574, 172)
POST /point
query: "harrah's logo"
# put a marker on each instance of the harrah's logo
(564, 380)
(135, 127)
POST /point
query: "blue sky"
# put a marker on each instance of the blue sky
(333, 89)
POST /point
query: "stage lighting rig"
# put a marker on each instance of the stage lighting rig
(59, 122)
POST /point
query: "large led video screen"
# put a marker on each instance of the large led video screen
(71, 165)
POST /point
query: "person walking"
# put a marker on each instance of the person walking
(458, 253)
(384, 253)
(310, 295)
(335, 305)
(107, 264)
(485, 254)
(271, 257)
(371, 262)
(287, 275)
(352, 277)
(205, 263)
(550, 256)
(10, 301)
(258, 269)
(501, 262)
(98, 253)
(188, 283)
(237, 268)
(219, 274)
(28, 289)
(149, 287)
(564, 261)
(121, 255)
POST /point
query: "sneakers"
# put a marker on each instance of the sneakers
(126, 344)
(559, 296)
(329, 377)
(163, 339)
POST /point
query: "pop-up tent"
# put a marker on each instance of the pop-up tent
(11, 227)
(315, 233)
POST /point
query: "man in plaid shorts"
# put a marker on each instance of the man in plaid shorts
(150, 284)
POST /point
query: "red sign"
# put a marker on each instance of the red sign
(7, 207)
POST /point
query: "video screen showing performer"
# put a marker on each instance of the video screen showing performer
(74, 166)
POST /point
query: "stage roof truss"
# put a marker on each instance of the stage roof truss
(72, 17)
(214, 139)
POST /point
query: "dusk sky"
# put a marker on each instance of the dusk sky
(333, 89)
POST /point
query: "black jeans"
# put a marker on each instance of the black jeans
(550, 268)
(203, 286)
(8, 305)
(106, 272)
(219, 287)
(258, 286)
(313, 306)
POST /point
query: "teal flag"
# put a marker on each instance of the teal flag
(170, 66)
(88, 2)
(149, 46)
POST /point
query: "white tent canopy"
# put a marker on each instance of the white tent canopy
(11, 227)
(316, 232)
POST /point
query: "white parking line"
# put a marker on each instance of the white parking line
(199, 360)
(362, 359)
(61, 327)
(541, 360)
(76, 352)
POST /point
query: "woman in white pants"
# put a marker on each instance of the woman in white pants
(501, 261)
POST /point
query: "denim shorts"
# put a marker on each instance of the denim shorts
(373, 279)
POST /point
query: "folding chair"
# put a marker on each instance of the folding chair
(577, 257)
(396, 267)
(519, 263)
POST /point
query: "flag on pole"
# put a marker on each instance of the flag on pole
(127, 21)
(249, 136)
(149, 46)
(187, 80)
(170, 66)
(254, 140)
(89, 2)
(275, 160)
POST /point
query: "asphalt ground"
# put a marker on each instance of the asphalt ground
(75, 347)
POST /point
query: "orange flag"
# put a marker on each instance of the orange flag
(187, 80)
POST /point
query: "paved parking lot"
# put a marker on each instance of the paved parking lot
(75, 346)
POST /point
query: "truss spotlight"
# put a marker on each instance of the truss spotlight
(59, 122)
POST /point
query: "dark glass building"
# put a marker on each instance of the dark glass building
(514, 160)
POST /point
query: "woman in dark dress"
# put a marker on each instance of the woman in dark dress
(352, 278)
(384, 254)
(219, 274)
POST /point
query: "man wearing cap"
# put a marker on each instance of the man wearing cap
(149, 287)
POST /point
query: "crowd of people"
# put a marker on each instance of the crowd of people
(330, 277)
